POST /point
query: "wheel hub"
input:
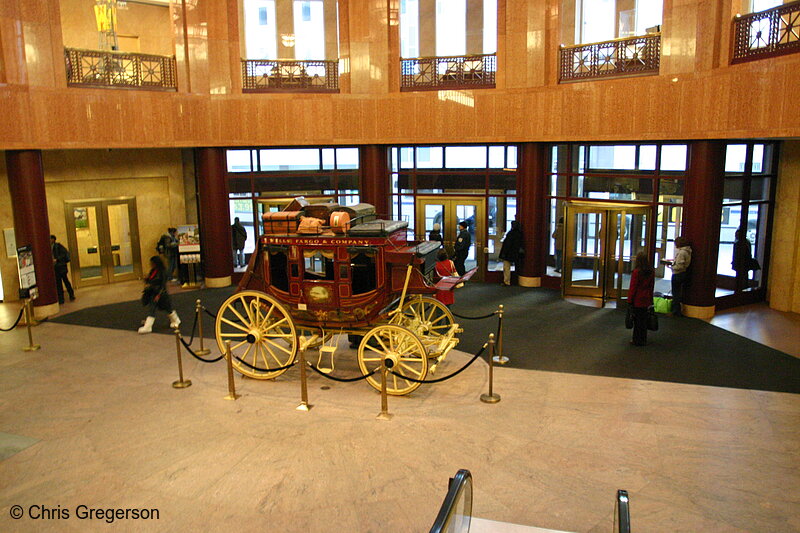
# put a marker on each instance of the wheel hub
(253, 336)
(390, 360)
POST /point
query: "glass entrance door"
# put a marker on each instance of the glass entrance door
(447, 213)
(103, 241)
(601, 243)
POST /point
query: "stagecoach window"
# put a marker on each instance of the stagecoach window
(318, 264)
(362, 264)
(278, 275)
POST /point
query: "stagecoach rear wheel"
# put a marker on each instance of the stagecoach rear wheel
(401, 350)
(426, 317)
(261, 332)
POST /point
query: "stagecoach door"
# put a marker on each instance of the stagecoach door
(448, 212)
(601, 241)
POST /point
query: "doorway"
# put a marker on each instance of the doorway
(103, 238)
(600, 245)
(448, 212)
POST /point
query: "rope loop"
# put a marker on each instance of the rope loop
(490, 315)
(341, 380)
(189, 349)
(445, 378)
(16, 322)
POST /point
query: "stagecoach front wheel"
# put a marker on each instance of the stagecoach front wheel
(401, 350)
(426, 317)
(261, 332)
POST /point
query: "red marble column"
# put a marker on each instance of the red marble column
(373, 165)
(214, 216)
(701, 221)
(31, 223)
(531, 188)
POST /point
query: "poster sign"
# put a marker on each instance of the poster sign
(27, 274)
(11, 242)
(188, 238)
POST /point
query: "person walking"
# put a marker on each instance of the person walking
(238, 238)
(680, 275)
(743, 261)
(445, 268)
(436, 234)
(640, 296)
(558, 236)
(60, 261)
(463, 244)
(511, 251)
(168, 247)
(155, 296)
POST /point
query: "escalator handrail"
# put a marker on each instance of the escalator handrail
(460, 482)
(623, 512)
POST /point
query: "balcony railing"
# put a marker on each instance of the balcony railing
(103, 68)
(451, 72)
(277, 75)
(768, 33)
(628, 56)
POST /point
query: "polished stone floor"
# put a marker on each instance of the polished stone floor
(91, 419)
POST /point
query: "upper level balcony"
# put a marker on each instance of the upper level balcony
(767, 33)
(627, 56)
(449, 72)
(280, 75)
(104, 68)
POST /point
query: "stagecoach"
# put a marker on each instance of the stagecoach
(323, 271)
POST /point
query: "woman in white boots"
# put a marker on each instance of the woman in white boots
(155, 296)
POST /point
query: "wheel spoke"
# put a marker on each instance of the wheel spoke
(239, 344)
(380, 341)
(233, 334)
(278, 346)
(234, 324)
(394, 379)
(442, 317)
(418, 373)
(246, 305)
(266, 317)
(264, 358)
(242, 319)
(276, 324)
(267, 348)
(368, 347)
(244, 355)
(411, 359)
(371, 359)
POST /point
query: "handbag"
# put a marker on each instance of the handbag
(754, 265)
(662, 304)
(629, 318)
(652, 319)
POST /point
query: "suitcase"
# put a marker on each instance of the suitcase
(321, 211)
(360, 213)
(281, 222)
(298, 204)
(378, 228)
(340, 222)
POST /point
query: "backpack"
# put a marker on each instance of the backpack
(161, 246)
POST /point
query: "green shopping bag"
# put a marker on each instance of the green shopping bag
(662, 305)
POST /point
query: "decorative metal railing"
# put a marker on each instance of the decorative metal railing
(103, 68)
(768, 33)
(449, 72)
(274, 75)
(620, 57)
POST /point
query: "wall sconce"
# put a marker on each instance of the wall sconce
(287, 40)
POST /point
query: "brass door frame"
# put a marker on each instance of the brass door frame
(104, 240)
(607, 264)
(449, 229)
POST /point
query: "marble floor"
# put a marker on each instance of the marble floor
(91, 419)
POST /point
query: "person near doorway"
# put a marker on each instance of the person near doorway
(445, 268)
(238, 238)
(463, 244)
(680, 273)
(168, 247)
(436, 234)
(558, 236)
(743, 261)
(640, 296)
(511, 251)
(155, 296)
(60, 261)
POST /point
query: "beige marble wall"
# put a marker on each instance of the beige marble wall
(8, 266)
(784, 275)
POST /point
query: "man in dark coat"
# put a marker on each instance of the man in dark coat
(238, 238)
(510, 251)
(463, 244)
(60, 261)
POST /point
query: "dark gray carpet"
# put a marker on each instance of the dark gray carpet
(544, 332)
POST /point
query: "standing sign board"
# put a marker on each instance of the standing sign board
(27, 274)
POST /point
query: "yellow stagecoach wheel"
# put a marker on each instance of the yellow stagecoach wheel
(261, 332)
(426, 317)
(401, 349)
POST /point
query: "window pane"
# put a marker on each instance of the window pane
(409, 28)
(511, 157)
(597, 21)
(328, 161)
(243, 210)
(648, 14)
(430, 157)
(497, 156)
(733, 190)
(759, 188)
(404, 184)
(308, 184)
(758, 158)
(451, 183)
(612, 157)
(395, 161)
(505, 182)
(734, 157)
(346, 158)
(489, 26)
(465, 156)
(395, 184)
(406, 157)
(673, 157)
(670, 191)
(239, 185)
(451, 27)
(348, 182)
(647, 157)
(558, 185)
(260, 29)
(309, 30)
(560, 156)
(290, 159)
(238, 160)
(761, 5)
(613, 188)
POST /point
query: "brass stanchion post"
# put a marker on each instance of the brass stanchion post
(491, 397)
(384, 414)
(304, 405)
(500, 359)
(199, 310)
(229, 363)
(31, 347)
(181, 383)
